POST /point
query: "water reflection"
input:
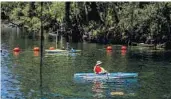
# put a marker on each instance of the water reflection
(119, 88)
(36, 53)
(98, 91)
(123, 52)
(112, 88)
(124, 88)
(16, 54)
(109, 52)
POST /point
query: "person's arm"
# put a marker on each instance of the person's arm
(103, 70)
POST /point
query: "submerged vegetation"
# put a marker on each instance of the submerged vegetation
(104, 22)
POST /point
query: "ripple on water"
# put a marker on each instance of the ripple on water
(9, 84)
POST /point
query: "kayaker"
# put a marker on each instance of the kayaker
(98, 69)
(72, 50)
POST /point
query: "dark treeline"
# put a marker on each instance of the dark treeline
(103, 22)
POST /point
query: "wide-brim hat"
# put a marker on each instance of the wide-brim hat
(98, 62)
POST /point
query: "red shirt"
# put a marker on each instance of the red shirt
(98, 69)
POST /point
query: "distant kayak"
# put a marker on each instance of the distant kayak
(60, 51)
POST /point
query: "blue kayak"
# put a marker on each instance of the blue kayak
(109, 77)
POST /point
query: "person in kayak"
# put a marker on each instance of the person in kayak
(98, 69)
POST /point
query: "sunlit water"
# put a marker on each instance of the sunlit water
(20, 71)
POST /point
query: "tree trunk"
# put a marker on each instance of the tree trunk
(67, 20)
(67, 14)
(115, 14)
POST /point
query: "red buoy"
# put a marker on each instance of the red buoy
(16, 49)
(36, 49)
(51, 48)
(123, 48)
(109, 48)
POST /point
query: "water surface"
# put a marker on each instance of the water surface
(20, 71)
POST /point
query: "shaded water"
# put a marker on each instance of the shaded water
(20, 72)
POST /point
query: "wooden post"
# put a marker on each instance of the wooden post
(56, 39)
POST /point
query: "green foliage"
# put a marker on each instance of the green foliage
(55, 10)
(150, 18)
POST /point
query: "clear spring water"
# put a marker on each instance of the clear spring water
(20, 72)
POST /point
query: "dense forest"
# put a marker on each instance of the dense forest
(100, 22)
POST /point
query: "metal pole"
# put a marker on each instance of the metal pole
(41, 49)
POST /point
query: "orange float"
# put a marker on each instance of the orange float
(51, 48)
(16, 49)
(109, 48)
(36, 49)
